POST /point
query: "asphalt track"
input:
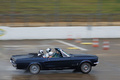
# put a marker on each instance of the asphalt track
(107, 69)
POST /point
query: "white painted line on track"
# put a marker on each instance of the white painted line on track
(66, 43)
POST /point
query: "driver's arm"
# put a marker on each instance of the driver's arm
(54, 55)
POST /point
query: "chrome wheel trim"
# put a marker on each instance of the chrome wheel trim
(85, 67)
(34, 69)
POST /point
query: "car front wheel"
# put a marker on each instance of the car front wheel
(85, 68)
(34, 69)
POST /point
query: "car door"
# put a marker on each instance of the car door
(60, 62)
(75, 61)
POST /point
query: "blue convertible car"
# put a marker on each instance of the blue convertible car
(35, 63)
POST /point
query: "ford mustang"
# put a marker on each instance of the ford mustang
(34, 63)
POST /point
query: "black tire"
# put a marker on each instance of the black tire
(85, 68)
(34, 68)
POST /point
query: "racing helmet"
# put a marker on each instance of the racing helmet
(40, 52)
(48, 50)
(50, 53)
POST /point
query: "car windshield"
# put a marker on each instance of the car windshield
(65, 54)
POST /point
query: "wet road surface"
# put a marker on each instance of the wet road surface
(107, 69)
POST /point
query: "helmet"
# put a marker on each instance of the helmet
(40, 52)
(50, 53)
(48, 50)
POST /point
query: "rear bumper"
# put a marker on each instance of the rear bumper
(14, 65)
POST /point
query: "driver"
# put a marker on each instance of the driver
(57, 54)
(40, 53)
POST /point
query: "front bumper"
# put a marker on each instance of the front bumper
(96, 63)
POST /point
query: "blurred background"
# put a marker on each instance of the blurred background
(59, 13)
(26, 26)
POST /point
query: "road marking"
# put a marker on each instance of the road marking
(86, 43)
(72, 48)
(63, 42)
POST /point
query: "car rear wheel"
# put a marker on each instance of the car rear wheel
(85, 68)
(34, 69)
